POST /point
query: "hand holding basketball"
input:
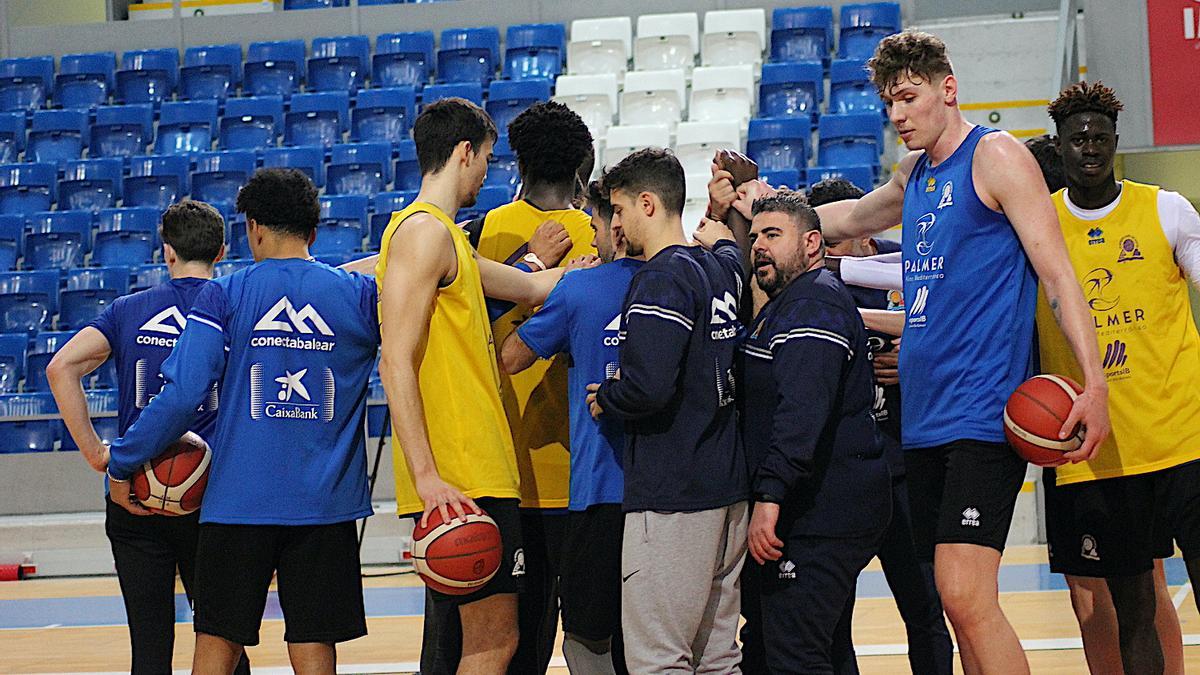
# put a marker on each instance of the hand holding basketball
(121, 494)
(436, 493)
(1090, 410)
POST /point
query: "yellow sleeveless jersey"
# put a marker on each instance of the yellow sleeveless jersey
(536, 398)
(460, 383)
(1149, 347)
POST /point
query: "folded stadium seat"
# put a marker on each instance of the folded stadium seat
(343, 224)
(147, 76)
(57, 136)
(98, 278)
(722, 93)
(12, 361)
(408, 170)
(850, 89)
(509, 98)
(697, 142)
(653, 97)
(74, 222)
(27, 188)
(53, 250)
(319, 118)
(862, 175)
(864, 25)
(123, 248)
(383, 114)
(80, 306)
(734, 37)
(227, 267)
(387, 203)
(85, 80)
(210, 72)
(623, 140)
(534, 51)
(157, 181)
(309, 159)
(28, 300)
(850, 139)
(666, 41)
(239, 244)
(802, 34)
(780, 142)
(185, 127)
(251, 123)
(8, 255)
(32, 435)
(503, 169)
(274, 68)
(148, 276)
(592, 97)
(468, 55)
(12, 136)
(122, 130)
(695, 200)
(792, 88)
(339, 63)
(600, 46)
(472, 91)
(91, 184)
(359, 169)
(25, 82)
(345, 209)
(314, 4)
(403, 59)
(12, 229)
(218, 176)
(137, 219)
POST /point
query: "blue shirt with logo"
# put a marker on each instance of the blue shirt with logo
(970, 293)
(582, 318)
(292, 343)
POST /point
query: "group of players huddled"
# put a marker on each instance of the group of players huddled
(637, 422)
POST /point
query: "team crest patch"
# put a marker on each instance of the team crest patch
(1129, 250)
(1088, 548)
(947, 195)
(931, 185)
(895, 300)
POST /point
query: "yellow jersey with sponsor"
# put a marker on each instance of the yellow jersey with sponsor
(536, 398)
(1149, 347)
(459, 380)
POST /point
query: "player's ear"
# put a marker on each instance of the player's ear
(220, 255)
(648, 204)
(169, 256)
(950, 89)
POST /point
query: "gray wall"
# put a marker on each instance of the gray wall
(926, 10)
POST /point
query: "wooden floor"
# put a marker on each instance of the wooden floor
(1043, 620)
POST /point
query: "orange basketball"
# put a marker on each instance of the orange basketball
(1034, 415)
(457, 557)
(173, 483)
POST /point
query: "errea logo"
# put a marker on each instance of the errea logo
(970, 516)
(284, 317)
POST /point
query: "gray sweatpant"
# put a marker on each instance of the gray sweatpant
(680, 590)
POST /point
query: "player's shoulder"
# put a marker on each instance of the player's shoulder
(999, 145)
(817, 295)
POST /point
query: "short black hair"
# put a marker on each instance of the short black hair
(443, 125)
(831, 190)
(654, 170)
(195, 230)
(792, 203)
(1084, 97)
(598, 201)
(1045, 151)
(551, 142)
(284, 200)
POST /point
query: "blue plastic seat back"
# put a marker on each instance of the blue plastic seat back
(25, 313)
(81, 306)
(779, 143)
(503, 169)
(12, 361)
(468, 55)
(95, 278)
(140, 219)
(239, 245)
(25, 82)
(848, 151)
(337, 237)
(12, 136)
(12, 228)
(103, 64)
(801, 33)
(210, 72)
(78, 222)
(31, 435)
(57, 136)
(186, 127)
(157, 181)
(122, 131)
(147, 76)
(881, 15)
(8, 255)
(534, 51)
(789, 89)
(385, 204)
(218, 176)
(850, 89)
(347, 209)
(383, 114)
(123, 248)
(27, 187)
(509, 98)
(408, 170)
(339, 63)
(85, 80)
(53, 250)
(860, 44)
(319, 118)
(403, 59)
(861, 175)
(852, 125)
(309, 159)
(148, 276)
(359, 168)
(274, 68)
(251, 123)
(472, 91)
(227, 267)
(41, 282)
(90, 184)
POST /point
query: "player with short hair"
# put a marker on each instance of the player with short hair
(291, 342)
(138, 331)
(978, 226)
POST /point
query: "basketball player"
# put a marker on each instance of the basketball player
(977, 227)
(1134, 247)
(685, 473)
(291, 342)
(580, 321)
(138, 332)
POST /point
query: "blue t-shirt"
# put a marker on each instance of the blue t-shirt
(582, 318)
(292, 343)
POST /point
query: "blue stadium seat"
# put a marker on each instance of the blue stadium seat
(25, 82)
(8, 254)
(185, 127)
(123, 248)
(850, 89)
(99, 278)
(81, 306)
(41, 283)
(339, 63)
(85, 80)
(403, 59)
(359, 169)
(157, 181)
(408, 170)
(309, 159)
(337, 238)
(509, 98)
(490, 197)
(472, 91)
(503, 169)
(339, 259)
(41, 350)
(148, 276)
(274, 68)
(468, 55)
(314, 4)
(788, 89)
(122, 131)
(862, 175)
(534, 51)
(383, 114)
(53, 250)
(76, 222)
(210, 72)
(864, 25)
(12, 228)
(346, 209)
(850, 139)
(387, 203)
(139, 219)
(147, 76)
(90, 184)
(251, 123)
(227, 267)
(32, 435)
(239, 246)
(27, 188)
(57, 136)
(12, 136)
(801, 34)
(25, 313)
(219, 175)
(319, 118)
(12, 361)
(779, 142)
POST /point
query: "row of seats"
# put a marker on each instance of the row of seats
(51, 434)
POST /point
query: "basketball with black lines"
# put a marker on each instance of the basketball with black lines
(173, 483)
(459, 556)
(1034, 415)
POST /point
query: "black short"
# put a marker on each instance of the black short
(591, 575)
(1099, 528)
(319, 580)
(963, 492)
(512, 561)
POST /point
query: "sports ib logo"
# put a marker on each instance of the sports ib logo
(1191, 25)
(1114, 355)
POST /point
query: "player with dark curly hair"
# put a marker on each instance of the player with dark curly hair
(1044, 149)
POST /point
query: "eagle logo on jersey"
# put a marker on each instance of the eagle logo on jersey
(924, 225)
(1093, 287)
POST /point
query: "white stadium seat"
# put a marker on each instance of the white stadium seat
(600, 46)
(592, 97)
(666, 41)
(695, 203)
(623, 140)
(697, 142)
(722, 93)
(736, 36)
(653, 97)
